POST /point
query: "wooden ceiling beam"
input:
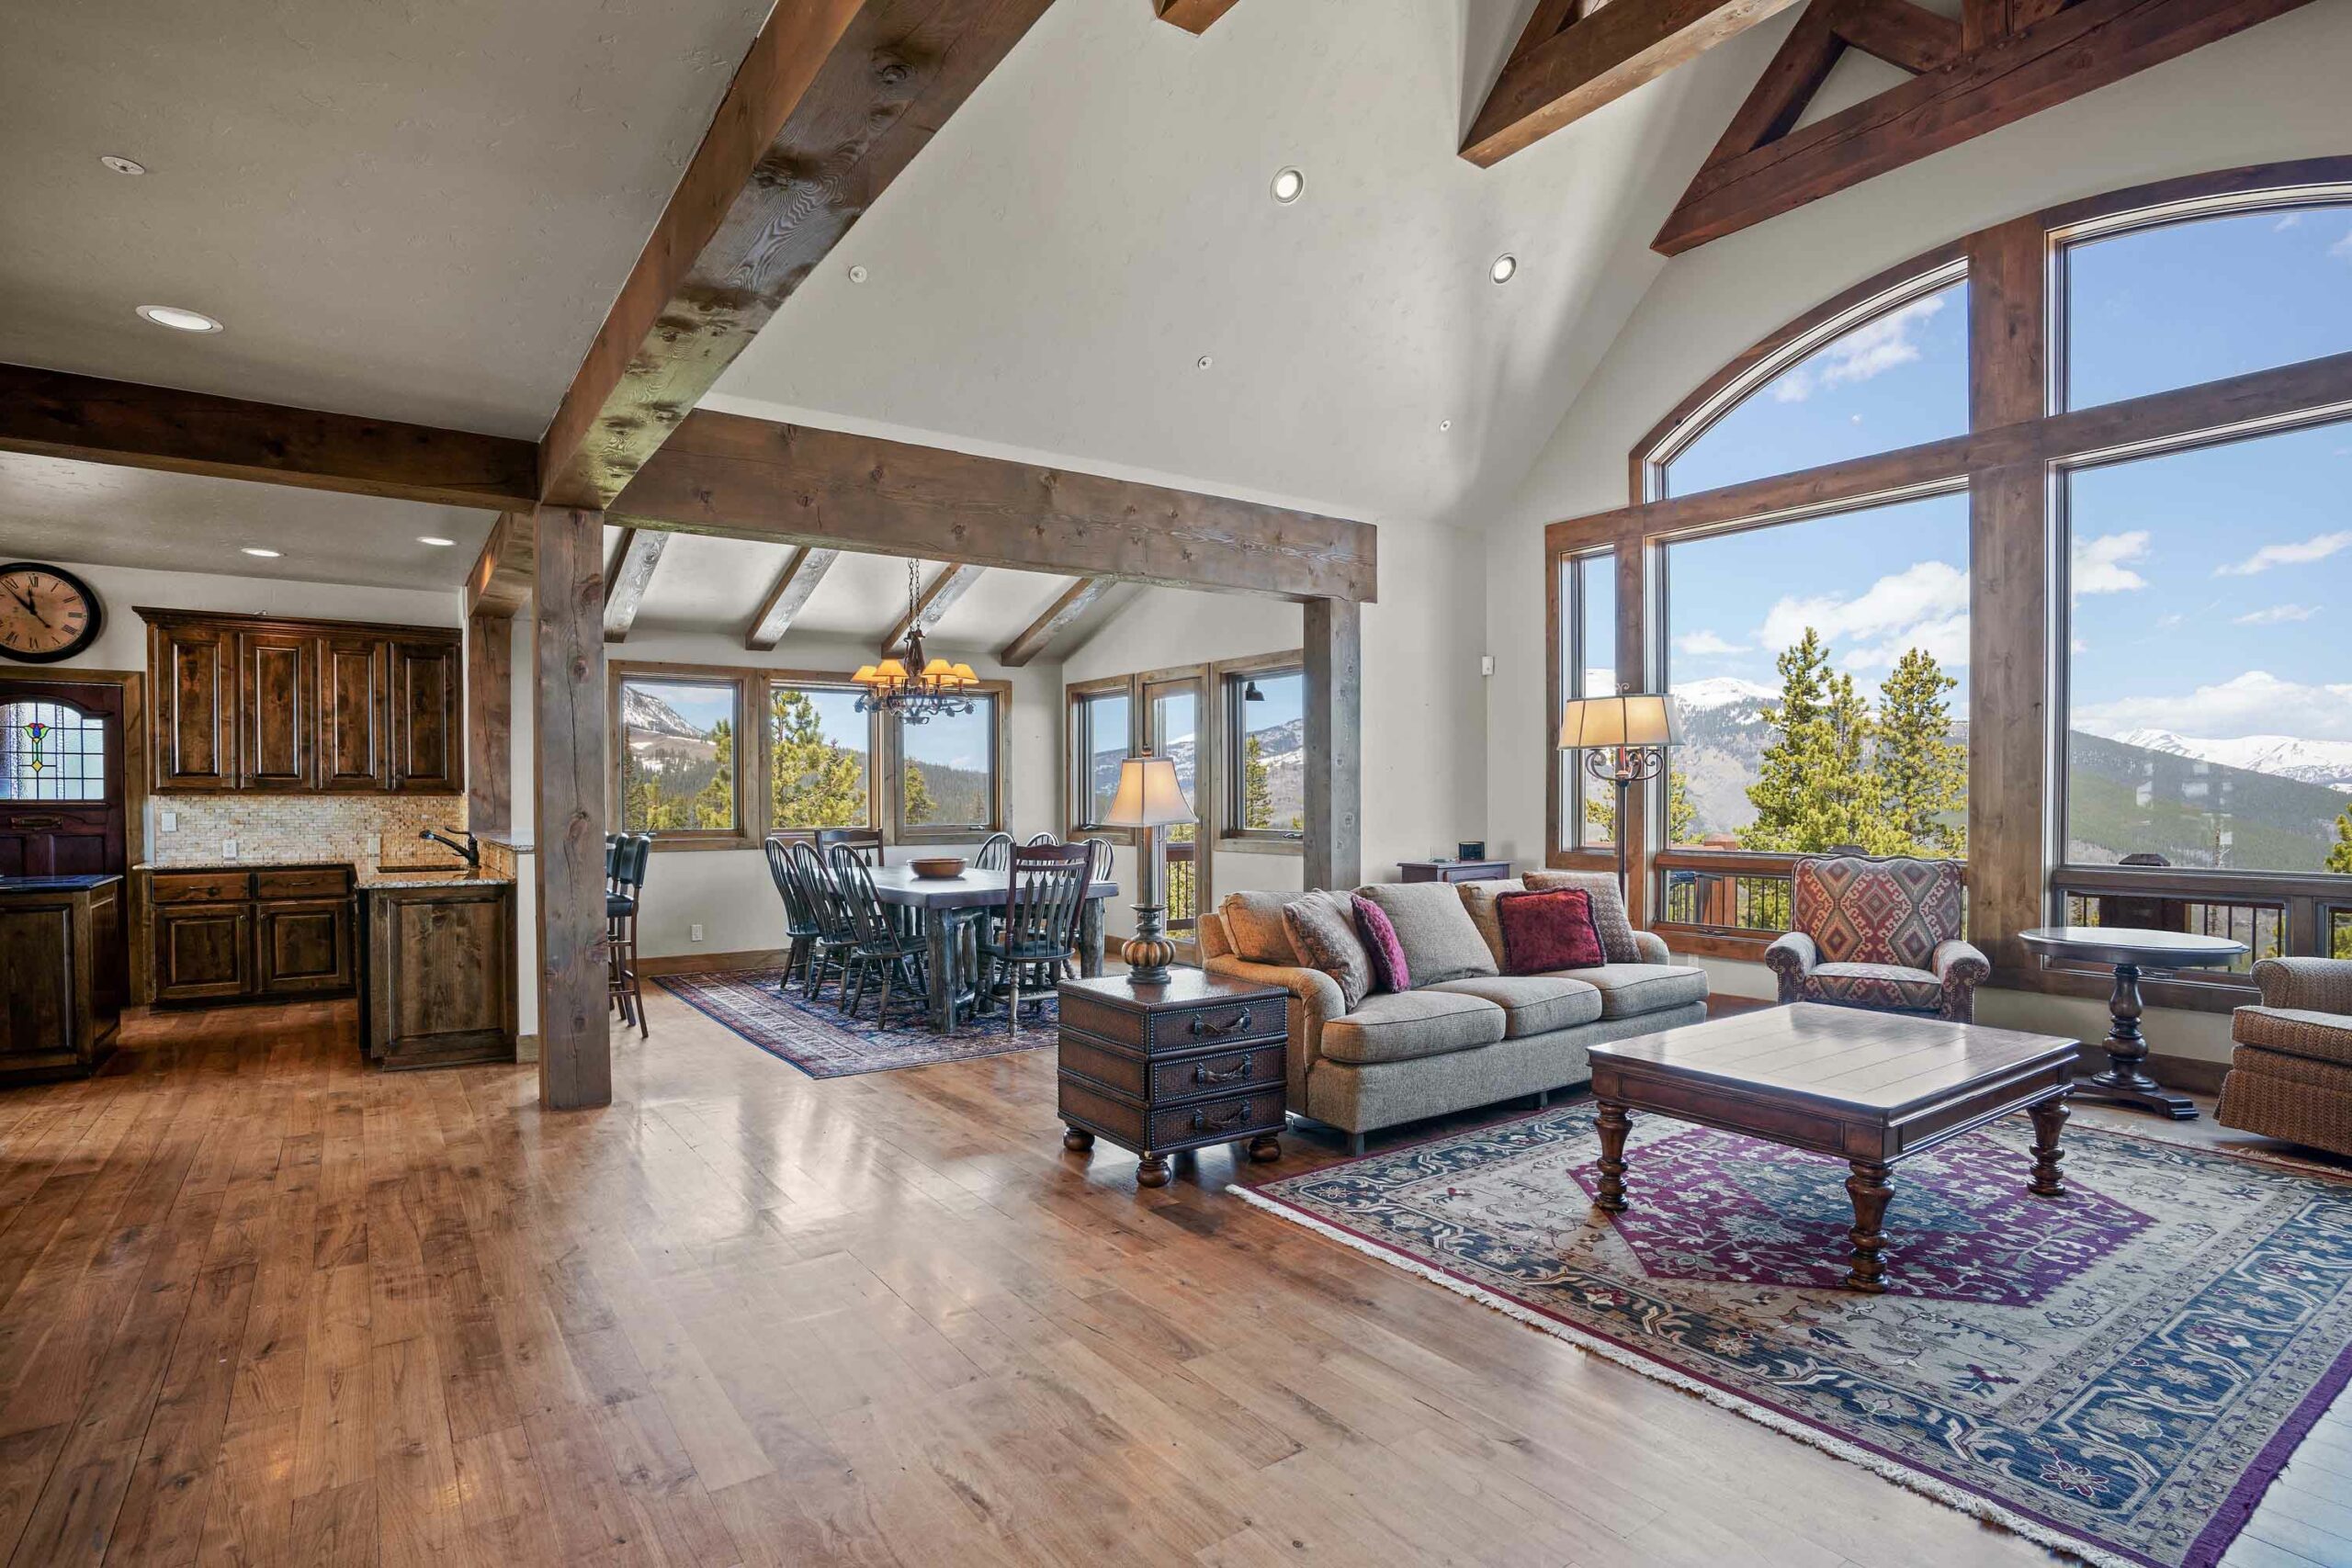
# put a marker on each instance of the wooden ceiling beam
(632, 574)
(793, 584)
(754, 479)
(53, 414)
(833, 100)
(500, 583)
(1554, 78)
(2075, 51)
(1060, 616)
(1797, 70)
(939, 595)
(1194, 15)
(1902, 34)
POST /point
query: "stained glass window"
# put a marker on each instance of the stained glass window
(51, 752)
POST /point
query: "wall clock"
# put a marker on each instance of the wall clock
(45, 615)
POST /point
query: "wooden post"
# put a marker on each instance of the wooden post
(568, 780)
(490, 720)
(1334, 639)
(2009, 650)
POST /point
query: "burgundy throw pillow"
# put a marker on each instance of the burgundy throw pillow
(1544, 931)
(1389, 970)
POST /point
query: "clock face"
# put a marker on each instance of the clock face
(45, 615)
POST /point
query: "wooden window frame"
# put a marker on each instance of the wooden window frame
(1225, 677)
(891, 729)
(2012, 460)
(1076, 785)
(751, 753)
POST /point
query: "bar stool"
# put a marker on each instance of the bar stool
(625, 893)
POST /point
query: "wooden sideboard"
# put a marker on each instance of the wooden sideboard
(259, 705)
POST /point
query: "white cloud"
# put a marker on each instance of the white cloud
(2099, 564)
(1700, 644)
(2277, 614)
(2291, 220)
(1871, 349)
(2342, 249)
(2251, 704)
(2302, 553)
(1924, 605)
(2081, 647)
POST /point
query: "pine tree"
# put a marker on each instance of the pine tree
(1681, 816)
(1812, 790)
(713, 805)
(1918, 773)
(814, 781)
(1257, 786)
(920, 806)
(2339, 857)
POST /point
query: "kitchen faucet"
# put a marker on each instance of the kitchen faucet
(470, 850)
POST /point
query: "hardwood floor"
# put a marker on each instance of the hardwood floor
(261, 1306)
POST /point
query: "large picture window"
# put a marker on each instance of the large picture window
(820, 758)
(678, 763)
(1589, 669)
(949, 775)
(1265, 713)
(1101, 736)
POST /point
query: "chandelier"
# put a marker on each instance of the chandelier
(916, 689)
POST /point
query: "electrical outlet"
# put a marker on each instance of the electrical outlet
(228, 849)
(694, 933)
(171, 823)
(375, 843)
(1486, 664)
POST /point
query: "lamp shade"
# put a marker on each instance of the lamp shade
(1149, 795)
(1626, 719)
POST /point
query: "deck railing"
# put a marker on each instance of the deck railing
(1183, 896)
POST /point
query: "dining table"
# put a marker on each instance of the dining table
(948, 905)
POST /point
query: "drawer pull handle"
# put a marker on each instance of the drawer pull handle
(1232, 1074)
(40, 824)
(1231, 1116)
(1203, 1026)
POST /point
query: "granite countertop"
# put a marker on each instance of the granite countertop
(386, 876)
(81, 883)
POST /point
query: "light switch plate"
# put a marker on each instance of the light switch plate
(375, 843)
(228, 849)
(694, 933)
(171, 823)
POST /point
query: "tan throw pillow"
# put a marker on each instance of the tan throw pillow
(1608, 907)
(1478, 897)
(1322, 928)
(1439, 941)
(1253, 921)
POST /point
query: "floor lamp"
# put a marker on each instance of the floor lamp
(1623, 738)
(1149, 799)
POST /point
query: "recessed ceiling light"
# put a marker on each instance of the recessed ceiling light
(1288, 185)
(1445, 424)
(263, 553)
(1506, 266)
(179, 320)
(1203, 362)
(123, 165)
(858, 274)
(436, 540)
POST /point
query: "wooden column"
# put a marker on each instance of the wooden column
(568, 779)
(2009, 651)
(1334, 743)
(490, 722)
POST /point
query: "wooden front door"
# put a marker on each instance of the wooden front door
(62, 786)
(1175, 720)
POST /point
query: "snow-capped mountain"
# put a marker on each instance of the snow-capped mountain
(1722, 692)
(643, 714)
(2281, 756)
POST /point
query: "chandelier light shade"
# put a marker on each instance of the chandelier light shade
(1150, 798)
(916, 689)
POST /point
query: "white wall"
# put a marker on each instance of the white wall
(1424, 761)
(2275, 92)
(122, 636)
(729, 892)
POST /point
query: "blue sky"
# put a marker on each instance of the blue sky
(2209, 586)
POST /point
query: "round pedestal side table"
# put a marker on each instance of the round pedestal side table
(2126, 1079)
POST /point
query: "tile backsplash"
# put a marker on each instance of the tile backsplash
(300, 828)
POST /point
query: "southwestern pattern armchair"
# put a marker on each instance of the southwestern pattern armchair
(1881, 933)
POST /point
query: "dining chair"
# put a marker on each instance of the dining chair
(995, 853)
(1047, 885)
(835, 936)
(624, 897)
(867, 841)
(801, 929)
(883, 953)
(1038, 841)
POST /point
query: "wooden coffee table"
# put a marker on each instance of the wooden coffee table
(1868, 1087)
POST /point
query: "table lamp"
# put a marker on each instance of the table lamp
(1149, 799)
(1624, 738)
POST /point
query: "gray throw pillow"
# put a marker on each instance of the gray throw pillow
(1608, 916)
(1439, 939)
(1322, 928)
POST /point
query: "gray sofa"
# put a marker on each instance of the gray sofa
(1463, 1040)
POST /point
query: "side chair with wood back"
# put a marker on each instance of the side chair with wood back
(883, 953)
(1047, 888)
(801, 928)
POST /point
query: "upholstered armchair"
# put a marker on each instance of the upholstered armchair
(1881, 932)
(2290, 1076)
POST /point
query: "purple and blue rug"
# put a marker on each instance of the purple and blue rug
(2120, 1372)
(822, 1042)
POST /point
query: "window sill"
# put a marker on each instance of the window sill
(1239, 845)
(662, 844)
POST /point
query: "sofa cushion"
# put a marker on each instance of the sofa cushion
(1254, 924)
(1397, 1026)
(1389, 970)
(1322, 928)
(1609, 916)
(1434, 929)
(1478, 898)
(1629, 990)
(2291, 1031)
(1890, 988)
(1532, 1004)
(1544, 931)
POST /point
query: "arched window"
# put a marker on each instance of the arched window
(51, 751)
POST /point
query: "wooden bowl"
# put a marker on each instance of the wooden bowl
(938, 868)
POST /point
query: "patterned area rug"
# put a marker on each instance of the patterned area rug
(2120, 1372)
(820, 1041)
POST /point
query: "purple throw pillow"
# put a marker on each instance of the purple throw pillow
(1388, 971)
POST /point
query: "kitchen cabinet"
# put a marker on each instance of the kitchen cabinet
(277, 681)
(223, 935)
(437, 980)
(62, 975)
(428, 717)
(191, 670)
